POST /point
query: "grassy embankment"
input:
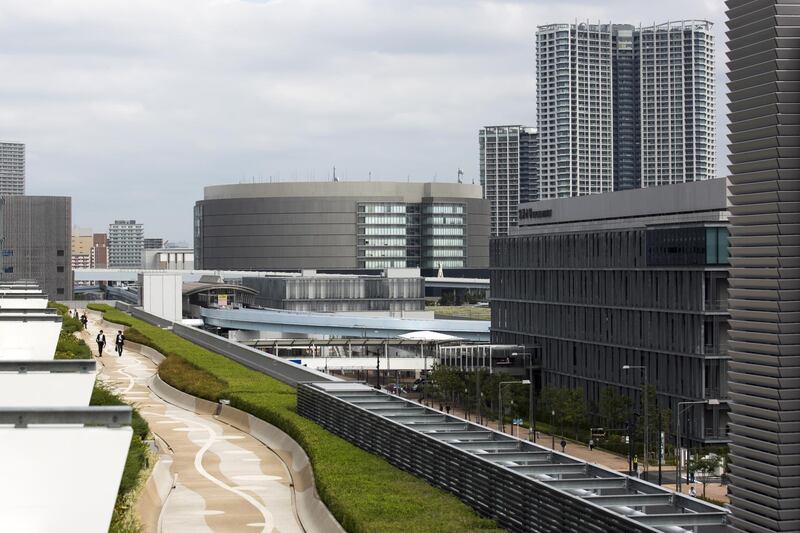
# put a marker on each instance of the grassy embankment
(364, 492)
(460, 312)
(137, 462)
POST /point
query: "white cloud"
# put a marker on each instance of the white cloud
(132, 107)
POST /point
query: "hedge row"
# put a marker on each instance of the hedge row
(137, 461)
(365, 493)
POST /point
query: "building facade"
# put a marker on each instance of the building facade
(168, 259)
(125, 244)
(621, 107)
(341, 225)
(154, 243)
(765, 324)
(35, 242)
(509, 172)
(12, 168)
(677, 102)
(397, 291)
(100, 250)
(82, 248)
(634, 278)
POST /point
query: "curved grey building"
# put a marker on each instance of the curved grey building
(341, 225)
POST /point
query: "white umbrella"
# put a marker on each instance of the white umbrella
(428, 336)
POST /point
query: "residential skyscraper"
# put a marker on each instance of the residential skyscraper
(764, 301)
(125, 244)
(509, 171)
(82, 244)
(677, 102)
(621, 107)
(100, 250)
(12, 168)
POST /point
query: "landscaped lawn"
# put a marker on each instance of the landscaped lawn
(365, 493)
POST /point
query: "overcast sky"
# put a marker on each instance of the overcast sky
(132, 107)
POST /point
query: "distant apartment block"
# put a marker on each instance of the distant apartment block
(764, 118)
(82, 248)
(677, 102)
(621, 107)
(35, 242)
(12, 168)
(100, 250)
(154, 243)
(125, 244)
(509, 168)
(635, 277)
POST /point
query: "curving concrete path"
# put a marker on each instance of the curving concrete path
(210, 477)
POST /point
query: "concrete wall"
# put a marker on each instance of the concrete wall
(160, 294)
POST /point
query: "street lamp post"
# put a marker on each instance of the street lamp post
(531, 412)
(643, 368)
(679, 458)
(500, 423)
(553, 428)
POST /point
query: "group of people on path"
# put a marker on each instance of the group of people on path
(119, 342)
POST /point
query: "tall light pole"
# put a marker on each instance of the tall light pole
(679, 455)
(531, 413)
(643, 368)
(500, 424)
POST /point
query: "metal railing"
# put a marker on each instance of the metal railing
(109, 416)
(61, 366)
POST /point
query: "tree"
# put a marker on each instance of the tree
(614, 408)
(705, 468)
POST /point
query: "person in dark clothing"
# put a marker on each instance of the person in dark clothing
(447, 408)
(101, 343)
(119, 342)
(563, 445)
(84, 320)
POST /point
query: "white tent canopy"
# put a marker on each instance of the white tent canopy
(431, 336)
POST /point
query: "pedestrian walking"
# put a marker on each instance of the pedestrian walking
(591, 444)
(447, 408)
(441, 408)
(101, 343)
(636, 465)
(119, 342)
(563, 445)
(692, 492)
(84, 320)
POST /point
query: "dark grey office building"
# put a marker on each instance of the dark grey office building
(625, 83)
(635, 277)
(342, 225)
(764, 126)
(36, 242)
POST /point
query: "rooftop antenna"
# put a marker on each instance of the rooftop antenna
(460, 176)
(335, 179)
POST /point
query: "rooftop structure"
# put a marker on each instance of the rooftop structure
(473, 462)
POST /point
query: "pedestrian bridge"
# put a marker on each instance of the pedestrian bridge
(339, 325)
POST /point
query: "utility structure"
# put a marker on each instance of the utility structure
(645, 401)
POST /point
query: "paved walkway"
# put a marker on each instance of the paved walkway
(601, 457)
(227, 481)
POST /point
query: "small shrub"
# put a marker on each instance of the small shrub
(185, 376)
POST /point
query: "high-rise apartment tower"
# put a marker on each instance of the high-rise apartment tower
(765, 275)
(621, 107)
(509, 170)
(12, 168)
(125, 244)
